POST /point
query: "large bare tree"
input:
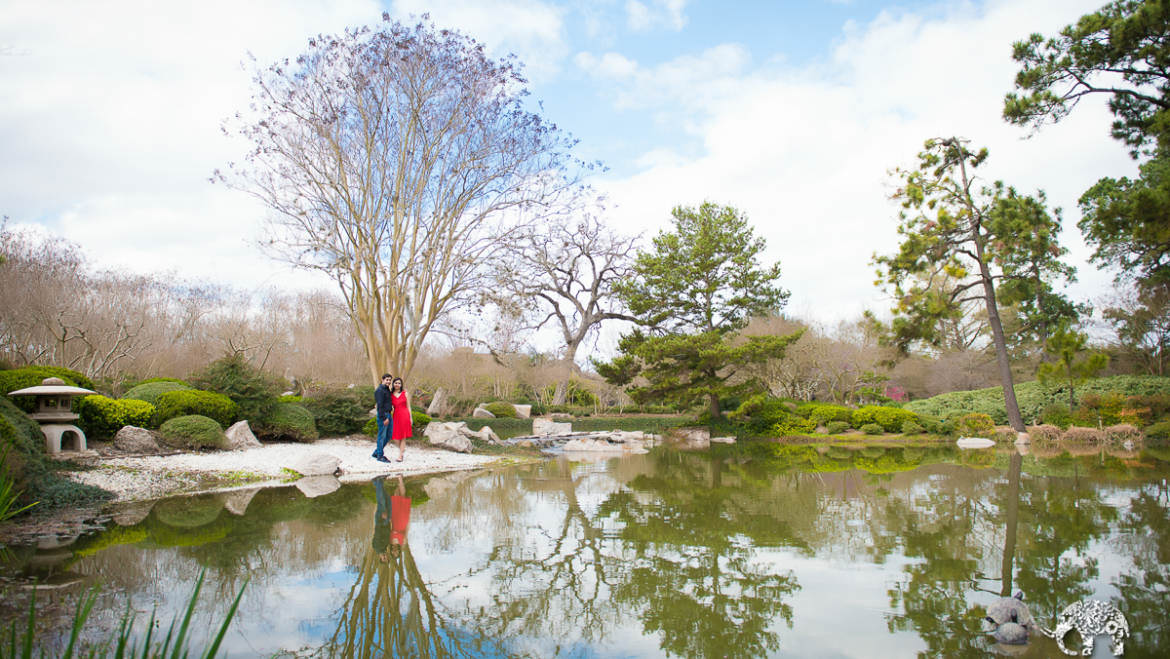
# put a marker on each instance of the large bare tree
(397, 160)
(564, 274)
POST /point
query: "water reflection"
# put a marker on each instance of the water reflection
(752, 550)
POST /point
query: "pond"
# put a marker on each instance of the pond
(754, 550)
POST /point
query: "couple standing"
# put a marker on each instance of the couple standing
(392, 404)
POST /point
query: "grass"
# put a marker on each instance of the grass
(121, 643)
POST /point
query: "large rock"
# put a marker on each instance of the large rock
(315, 464)
(316, 486)
(449, 435)
(240, 437)
(481, 413)
(689, 439)
(485, 433)
(544, 427)
(133, 439)
(438, 402)
(523, 411)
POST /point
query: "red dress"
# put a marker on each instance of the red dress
(400, 427)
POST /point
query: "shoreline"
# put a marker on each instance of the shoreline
(138, 478)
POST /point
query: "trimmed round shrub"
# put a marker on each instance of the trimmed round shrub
(912, 428)
(1045, 433)
(836, 427)
(975, 424)
(150, 391)
(872, 429)
(288, 421)
(103, 417)
(172, 380)
(371, 427)
(1123, 432)
(823, 413)
(1084, 435)
(193, 431)
(291, 398)
(194, 401)
(337, 413)
(420, 418)
(188, 512)
(501, 410)
(1159, 431)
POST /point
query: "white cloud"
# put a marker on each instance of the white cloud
(805, 151)
(690, 82)
(668, 14)
(111, 125)
(533, 30)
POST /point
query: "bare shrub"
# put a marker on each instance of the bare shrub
(1084, 435)
(1123, 432)
(1045, 433)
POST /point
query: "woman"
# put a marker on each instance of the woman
(402, 419)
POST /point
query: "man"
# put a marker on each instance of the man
(383, 408)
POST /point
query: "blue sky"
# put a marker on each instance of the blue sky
(793, 112)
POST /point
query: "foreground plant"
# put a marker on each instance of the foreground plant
(122, 643)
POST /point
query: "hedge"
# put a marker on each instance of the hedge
(150, 391)
(103, 417)
(193, 431)
(1033, 397)
(193, 401)
(288, 421)
(891, 419)
(32, 376)
(824, 413)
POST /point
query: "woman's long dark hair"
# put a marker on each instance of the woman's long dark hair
(398, 381)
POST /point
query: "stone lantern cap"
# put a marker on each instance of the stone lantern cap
(52, 387)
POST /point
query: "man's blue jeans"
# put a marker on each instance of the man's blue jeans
(383, 434)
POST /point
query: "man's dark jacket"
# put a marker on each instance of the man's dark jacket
(382, 400)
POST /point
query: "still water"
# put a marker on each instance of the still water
(749, 551)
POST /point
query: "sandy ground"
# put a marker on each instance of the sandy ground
(152, 477)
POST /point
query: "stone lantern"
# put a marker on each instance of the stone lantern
(55, 414)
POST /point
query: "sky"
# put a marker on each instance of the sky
(794, 112)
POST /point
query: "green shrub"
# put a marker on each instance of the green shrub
(103, 417)
(501, 410)
(371, 427)
(338, 412)
(890, 419)
(420, 418)
(291, 398)
(288, 421)
(153, 380)
(193, 431)
(32, 376)
(252, 389)
(761, 414)
(974, 425)
(823, 413)
(577, 394)
(1159, 431)
(194, 401)
(872, 429)
(793, 425)
(912, 428)
(150, 391)
(1056, 414)
(29, 469)
(836, 427)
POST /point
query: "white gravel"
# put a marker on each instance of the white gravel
(148, 477)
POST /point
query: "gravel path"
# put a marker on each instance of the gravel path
(150, 477)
